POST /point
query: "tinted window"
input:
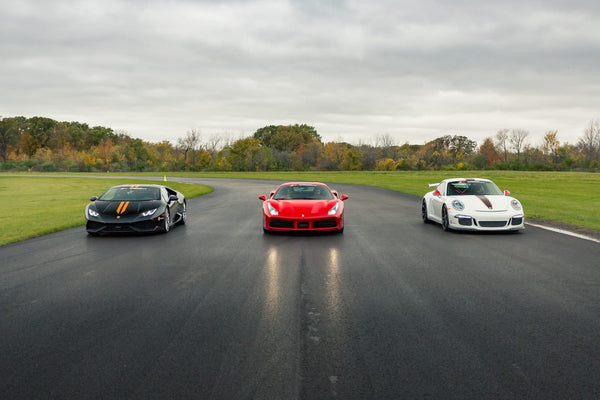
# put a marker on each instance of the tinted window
(131, 193)
(303, 192)
(463, 188)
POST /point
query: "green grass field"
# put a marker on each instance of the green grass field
(32, 206)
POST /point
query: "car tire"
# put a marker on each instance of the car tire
(183, 214)
(445, 221)
(167, 221)
(424, 212)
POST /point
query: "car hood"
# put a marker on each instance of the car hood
(125, 207)
(299, 208)
(484, 203)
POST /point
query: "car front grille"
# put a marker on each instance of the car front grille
(280, 223)
(492, 224)
(328, 223)
(517, 220)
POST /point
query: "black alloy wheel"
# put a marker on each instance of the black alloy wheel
(445, 221)
(424, 212)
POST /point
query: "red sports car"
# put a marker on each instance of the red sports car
(303, 206)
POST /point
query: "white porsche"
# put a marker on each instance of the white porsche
(472, 204)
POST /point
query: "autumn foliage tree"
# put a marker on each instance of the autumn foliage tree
(42, 144)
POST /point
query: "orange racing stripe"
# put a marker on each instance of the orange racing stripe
(122, 207)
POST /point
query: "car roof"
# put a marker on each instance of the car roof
(466, 179)
(302, 183)
(137, 186)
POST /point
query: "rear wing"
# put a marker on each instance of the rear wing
(434, 184)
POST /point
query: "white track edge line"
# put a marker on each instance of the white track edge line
(577, 235)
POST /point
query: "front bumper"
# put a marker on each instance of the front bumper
(487, 221)
(329, 223)
(125, 225)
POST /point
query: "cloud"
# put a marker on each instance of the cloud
(413, 69)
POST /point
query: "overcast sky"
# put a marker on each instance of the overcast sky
(413, 70)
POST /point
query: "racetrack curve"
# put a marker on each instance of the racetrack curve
(390, 309)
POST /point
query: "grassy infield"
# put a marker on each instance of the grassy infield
(32, 206)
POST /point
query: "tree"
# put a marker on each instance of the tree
(333, 156)
(517, 140)
(213, 144)
(286, 138)
(352, 160)
(551, 145)
(29, 144)
(589, 143)
(10, 130)
(105, 150)
(502, 141)
(136, 154)
(190, 143)
(386, 145)
(450, 149)
(40, 129)
(243, 154)
(488, 152)
(461, 147)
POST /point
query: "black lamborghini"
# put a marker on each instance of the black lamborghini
(135, 208)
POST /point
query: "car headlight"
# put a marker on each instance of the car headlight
(93, 213)
(333, 210)
(458, 205)
(515, 204)
(149, 212)
(272, 209)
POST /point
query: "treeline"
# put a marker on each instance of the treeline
(43, 144)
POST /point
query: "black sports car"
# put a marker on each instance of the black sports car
(135, 208)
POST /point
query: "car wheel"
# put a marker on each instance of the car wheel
(445, 221)
(167, 221)
(424, 212)
(183, 214)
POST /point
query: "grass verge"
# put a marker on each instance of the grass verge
(34, 206)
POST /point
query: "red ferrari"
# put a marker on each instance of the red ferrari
(303, 206)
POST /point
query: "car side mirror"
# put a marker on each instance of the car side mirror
(172, 198)
(507, 192)
(344, 197)
(436, 193)
(262, 197)
(93, 198)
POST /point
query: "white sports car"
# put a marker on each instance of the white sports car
(472, 204)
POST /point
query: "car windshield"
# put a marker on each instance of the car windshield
(131, 193)
(303, 192)
(463, 188)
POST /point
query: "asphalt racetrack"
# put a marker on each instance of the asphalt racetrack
(390, 309)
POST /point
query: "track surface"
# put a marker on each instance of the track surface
(390, 309)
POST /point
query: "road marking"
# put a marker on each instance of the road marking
(577, 235)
